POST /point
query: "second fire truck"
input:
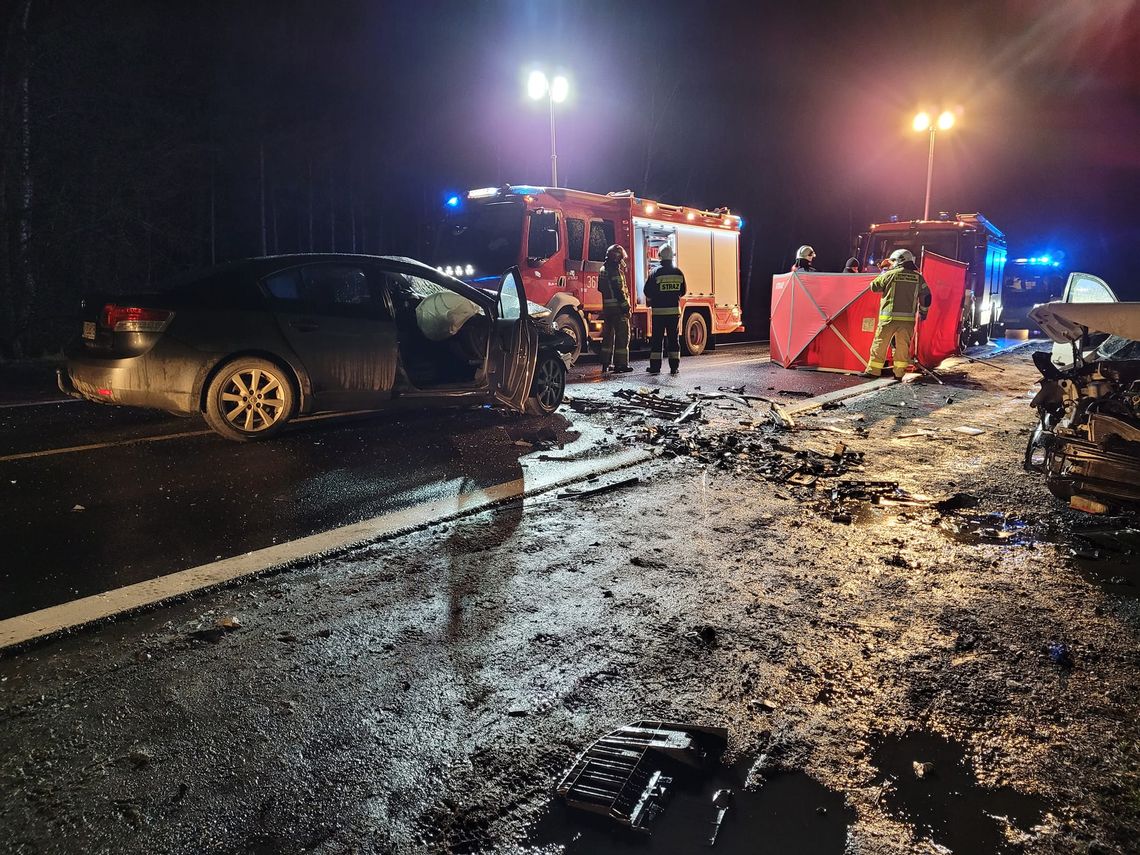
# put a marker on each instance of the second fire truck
(969, 238)
(558, 238)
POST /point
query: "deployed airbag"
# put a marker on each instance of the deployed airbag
(440, 316)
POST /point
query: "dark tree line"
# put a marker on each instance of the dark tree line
(140, 141)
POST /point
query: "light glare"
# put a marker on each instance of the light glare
(559, 89)
(922, 122)
(537, 85)
(945, 121)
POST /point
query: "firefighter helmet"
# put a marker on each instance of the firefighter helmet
(665, 253)
(616, 252)
(805, 251)
(902, 256)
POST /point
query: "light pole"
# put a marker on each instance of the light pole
(923, 122)
(556, 90)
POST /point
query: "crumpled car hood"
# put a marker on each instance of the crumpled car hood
(1064, 322)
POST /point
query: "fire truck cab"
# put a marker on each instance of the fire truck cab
(969, 238)
(558, 238)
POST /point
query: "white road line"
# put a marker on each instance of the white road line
(39, 403)
(721, 344)
(27, 455)
(68, 616)
(838, 395)
(759, 360)
(49, 452)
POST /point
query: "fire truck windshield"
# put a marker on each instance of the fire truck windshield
(943, 243)
(488, 237)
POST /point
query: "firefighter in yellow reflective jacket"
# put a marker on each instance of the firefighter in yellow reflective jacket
(663, 293)
(906, 296)
(615, 311)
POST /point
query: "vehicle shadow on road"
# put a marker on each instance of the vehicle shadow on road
(481, 542)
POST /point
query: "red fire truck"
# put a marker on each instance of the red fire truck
(969, 238)
(559, 237)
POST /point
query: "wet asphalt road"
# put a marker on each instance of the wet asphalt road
(95, 498)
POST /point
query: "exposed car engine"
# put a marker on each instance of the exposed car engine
(1087, 442)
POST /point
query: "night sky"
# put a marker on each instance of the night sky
(796, 115)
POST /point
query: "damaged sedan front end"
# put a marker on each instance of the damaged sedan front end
(1087, 440)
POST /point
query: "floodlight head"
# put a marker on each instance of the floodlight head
(559, 89)
(945, 120)
(537, 85)
(922, 122)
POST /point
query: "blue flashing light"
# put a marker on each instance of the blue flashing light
(740, 222)
(526, 190)
(1045, 259)
(452, 202)
(1056, 264)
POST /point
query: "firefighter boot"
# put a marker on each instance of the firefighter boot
(654, 365)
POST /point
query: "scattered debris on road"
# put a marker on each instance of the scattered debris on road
(595, 489)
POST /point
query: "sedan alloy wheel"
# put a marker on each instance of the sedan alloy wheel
(549, 386)
(249, 399)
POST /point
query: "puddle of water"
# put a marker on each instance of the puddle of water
(790, 813)
(1117, 574)
(986, 528)
(947, 805)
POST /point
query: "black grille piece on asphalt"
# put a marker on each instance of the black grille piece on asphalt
(623, 774)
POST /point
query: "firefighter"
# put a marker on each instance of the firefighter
(663, 293)
(615, 311)
(852, 266)
(905, 295)
(805, 255)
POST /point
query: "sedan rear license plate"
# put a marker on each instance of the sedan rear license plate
(89, 329)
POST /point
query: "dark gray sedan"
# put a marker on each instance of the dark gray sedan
(254, 343)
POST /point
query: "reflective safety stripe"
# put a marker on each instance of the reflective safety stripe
(896, 316)
(876, 365)
(673, 311)
(674, 354)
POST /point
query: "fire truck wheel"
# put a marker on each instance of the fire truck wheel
(694, 334)
(570, 323)
(549, 386)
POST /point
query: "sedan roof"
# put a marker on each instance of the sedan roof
(265, 265)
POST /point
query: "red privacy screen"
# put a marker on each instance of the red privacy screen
(827, 320)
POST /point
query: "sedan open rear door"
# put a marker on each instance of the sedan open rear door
(514, 344)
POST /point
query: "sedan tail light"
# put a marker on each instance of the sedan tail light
(134, 318)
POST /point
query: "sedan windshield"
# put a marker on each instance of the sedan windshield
(487, 237)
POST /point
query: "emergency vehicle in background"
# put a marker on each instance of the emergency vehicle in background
(969, 238)
(1030, 282)
(558, 238)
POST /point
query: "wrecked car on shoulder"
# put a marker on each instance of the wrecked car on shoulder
(1087, 440)
(253, 344)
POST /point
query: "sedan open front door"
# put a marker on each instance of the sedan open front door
(514, 343)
